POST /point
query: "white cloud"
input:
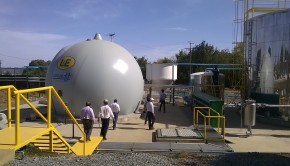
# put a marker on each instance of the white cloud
(91, 9)
(17, 49)
(178, 29)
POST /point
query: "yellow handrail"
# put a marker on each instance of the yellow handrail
(19, 94)
(197, 112)
(71, 116)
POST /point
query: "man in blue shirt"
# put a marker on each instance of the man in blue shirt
(162, 100)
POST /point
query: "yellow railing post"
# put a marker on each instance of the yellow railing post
(204, 119)
(209, 109)
(49, 108)
(17, 119)
(9, 106)
(51, 141)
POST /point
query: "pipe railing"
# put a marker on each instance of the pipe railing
(206, 120)
(19, 95)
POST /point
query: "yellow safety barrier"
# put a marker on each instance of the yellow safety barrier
(12, 91)
(206, 121)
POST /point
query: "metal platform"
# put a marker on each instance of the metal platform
(178, 135)
(173, 140)
(163, 147)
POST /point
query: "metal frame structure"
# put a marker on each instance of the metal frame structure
(242, 33)
(25, 134)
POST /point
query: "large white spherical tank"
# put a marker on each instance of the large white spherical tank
(95, 70)
(161, 74)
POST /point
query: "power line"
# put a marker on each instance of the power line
(14, 57)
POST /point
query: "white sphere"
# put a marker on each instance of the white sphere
(95, 70)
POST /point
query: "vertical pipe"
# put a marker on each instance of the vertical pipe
(17, 119)
(193, 116)
(51, 141)
(204, 119)
(173, 100)
(209, 115)
(9, 106)
(224, 128)
(49, 107)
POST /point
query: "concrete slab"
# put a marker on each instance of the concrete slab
(185, 147)
(6, 156)
(154, 146)
(131, 129)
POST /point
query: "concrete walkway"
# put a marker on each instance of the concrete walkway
(131, 129)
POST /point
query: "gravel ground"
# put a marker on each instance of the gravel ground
(159, 159)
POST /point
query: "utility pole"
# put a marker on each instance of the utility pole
(111, 35)
(190, 70)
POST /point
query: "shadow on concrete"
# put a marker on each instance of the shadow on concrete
(234, 120)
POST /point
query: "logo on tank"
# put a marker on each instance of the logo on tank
(66, 62)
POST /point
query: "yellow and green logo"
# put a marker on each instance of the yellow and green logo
(66, 62)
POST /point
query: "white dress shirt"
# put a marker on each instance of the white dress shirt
(106, 112)
(115, 107)
(150, 107)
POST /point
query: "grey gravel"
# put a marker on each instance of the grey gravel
(158, 159)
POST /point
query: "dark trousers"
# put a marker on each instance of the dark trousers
(151, 120)
(115, 119)
(88, 127)
(162, 102)
(105, 126)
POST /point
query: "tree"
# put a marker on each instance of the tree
(37, 68)
(142, 64)
(165, 60)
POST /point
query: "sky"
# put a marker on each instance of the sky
(38, 29)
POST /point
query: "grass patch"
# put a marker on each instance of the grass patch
(31, 151)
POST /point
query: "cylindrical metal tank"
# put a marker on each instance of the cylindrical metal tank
(250, 113)
(195, 80)
(161, 74)
(95, 70)
(267, 52)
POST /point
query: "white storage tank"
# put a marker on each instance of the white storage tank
(195, 80)
(93, 70)
(161, 74)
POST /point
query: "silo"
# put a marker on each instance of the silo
(268, 52)
(161, 74)
(93, 70)
(268, 58)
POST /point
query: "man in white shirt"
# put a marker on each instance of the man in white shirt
(88, 119)
(150, 113)
(105, 114)
(116, 109)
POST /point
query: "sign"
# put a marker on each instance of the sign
(66, 62)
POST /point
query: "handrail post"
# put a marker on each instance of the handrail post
(17, 119)
(9, 106)
(193, 116)
(209, 109)
(204, 119)
(49, 108)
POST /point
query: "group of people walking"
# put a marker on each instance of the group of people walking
(111, 111)
(106, 112)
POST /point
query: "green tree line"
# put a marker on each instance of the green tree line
(203, 55)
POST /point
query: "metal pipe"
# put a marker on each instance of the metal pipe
(17, 119)
(9, 106)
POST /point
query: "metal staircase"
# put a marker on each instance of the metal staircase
(46, 138)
